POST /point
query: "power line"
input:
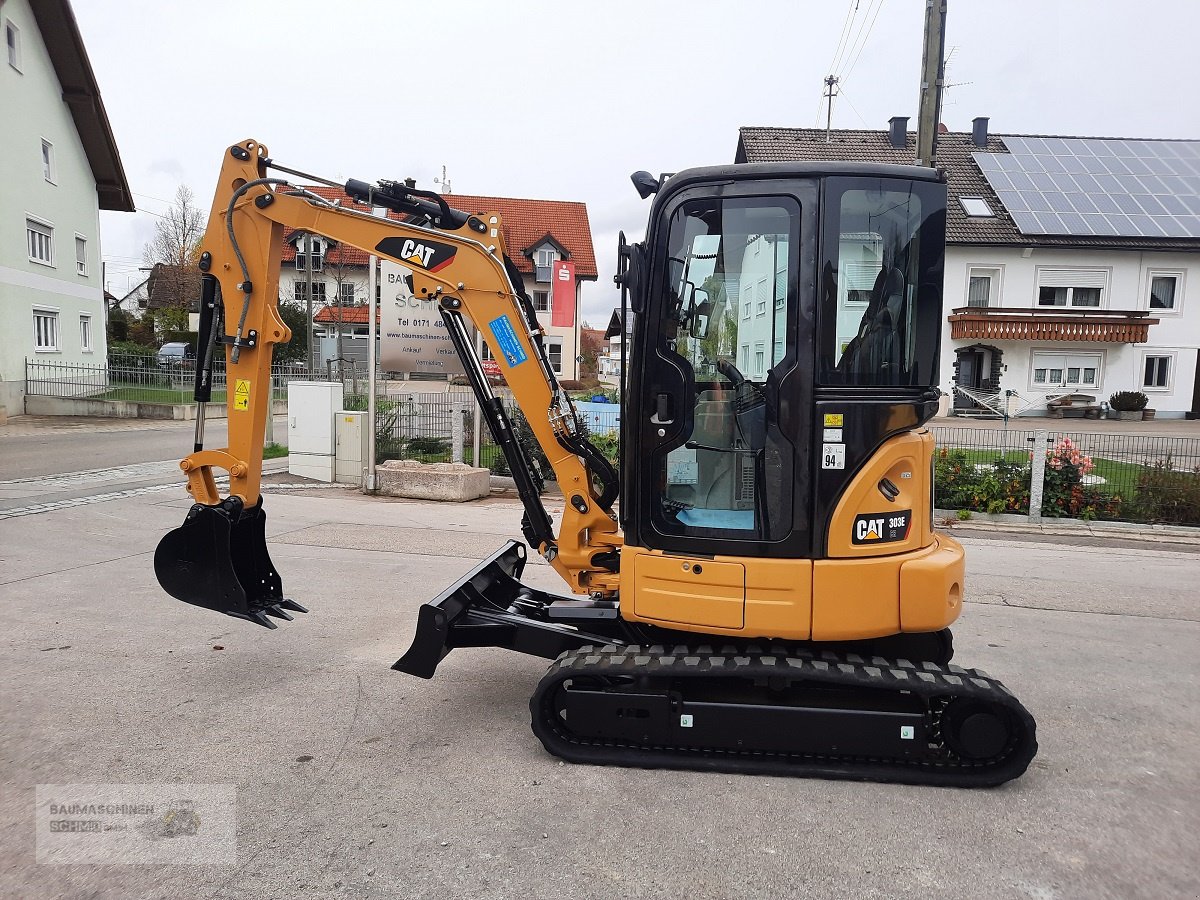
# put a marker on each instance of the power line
(863, 45)
(846, 97)
(851, 12)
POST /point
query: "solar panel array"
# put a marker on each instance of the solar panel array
(1098, 186)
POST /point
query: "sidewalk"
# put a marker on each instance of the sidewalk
(1152, 428)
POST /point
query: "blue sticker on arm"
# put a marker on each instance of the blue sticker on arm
(506, 337)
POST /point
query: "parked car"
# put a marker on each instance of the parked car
(176, 355)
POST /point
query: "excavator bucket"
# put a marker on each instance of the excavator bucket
(218, 559)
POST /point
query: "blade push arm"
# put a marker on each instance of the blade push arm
(459, 271)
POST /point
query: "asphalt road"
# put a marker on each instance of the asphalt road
(41, 445)
(353, 780)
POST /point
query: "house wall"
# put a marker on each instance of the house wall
(568, 336)
(32, 109)
(1177, 335)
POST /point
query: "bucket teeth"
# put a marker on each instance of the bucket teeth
(258, 616)
(278, 612)
(292, 605)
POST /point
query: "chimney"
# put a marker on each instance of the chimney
(979, 131)
(898, 131)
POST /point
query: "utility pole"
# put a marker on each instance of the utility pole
(932, 77)
(312, 363)
(831, 92)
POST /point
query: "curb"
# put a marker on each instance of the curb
(1146, 533)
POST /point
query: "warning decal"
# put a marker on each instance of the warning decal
(833, 420)
(241, 394)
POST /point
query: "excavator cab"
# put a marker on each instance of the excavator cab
(774, 298)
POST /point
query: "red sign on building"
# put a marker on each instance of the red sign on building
(563, 300)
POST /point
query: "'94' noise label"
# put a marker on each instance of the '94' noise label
(877, 528)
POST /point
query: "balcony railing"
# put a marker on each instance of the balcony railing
(1041, 323)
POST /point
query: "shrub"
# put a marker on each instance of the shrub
(1168, 496)
(1128, 401)
(998, 487)
(1065, 494)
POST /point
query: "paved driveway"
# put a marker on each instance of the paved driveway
(356, 781)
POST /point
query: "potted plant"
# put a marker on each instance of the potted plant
(1128, 404)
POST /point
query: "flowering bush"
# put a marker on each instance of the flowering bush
(1003, 486)
(1065, 494)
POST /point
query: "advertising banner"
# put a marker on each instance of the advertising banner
(412, 335)
(563, 300)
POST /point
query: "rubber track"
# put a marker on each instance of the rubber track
(928, 680)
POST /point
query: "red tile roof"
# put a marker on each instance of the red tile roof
(337, 256)
(526, 224)
(350, 315)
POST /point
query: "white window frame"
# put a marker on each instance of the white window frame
(301, 291)
(552, 343)
(544, 259)
(51, 313)
(85, 333)
(13, 49)
(994, 274)
(81, 265)
(543, 304)
(1173, 362)
(346, 293)
(1045, 359)
(1062, 276)
(42, 223)
(1178, 275)
(48, 161)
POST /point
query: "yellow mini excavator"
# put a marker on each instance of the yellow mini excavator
(774, 598)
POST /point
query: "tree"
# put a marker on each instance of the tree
(295, 316)
(176, 245)
(591, 343)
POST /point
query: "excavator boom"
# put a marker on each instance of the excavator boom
(460, 270)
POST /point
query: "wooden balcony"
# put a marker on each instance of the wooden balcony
(1050, 323)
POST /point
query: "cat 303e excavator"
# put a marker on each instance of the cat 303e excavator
(774, 598)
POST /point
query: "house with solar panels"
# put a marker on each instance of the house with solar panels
(1069, 262)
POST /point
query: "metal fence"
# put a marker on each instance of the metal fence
(421, 426)
(142, 379)
(1124, 477)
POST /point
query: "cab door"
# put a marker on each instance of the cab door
(722, 439)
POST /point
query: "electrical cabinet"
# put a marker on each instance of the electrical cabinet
(350, 456)
(312, 406)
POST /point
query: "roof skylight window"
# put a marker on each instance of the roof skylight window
(976, 206)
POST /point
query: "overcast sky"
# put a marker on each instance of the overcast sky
(563, 100)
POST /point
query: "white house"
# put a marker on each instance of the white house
(1072, 264)
(60, 167)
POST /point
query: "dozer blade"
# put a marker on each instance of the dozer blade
(490, 607)
(218, 559)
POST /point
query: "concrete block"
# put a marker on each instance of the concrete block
(432, 481)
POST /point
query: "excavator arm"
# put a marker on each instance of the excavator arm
(459, 265)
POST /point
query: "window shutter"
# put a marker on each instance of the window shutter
(1084, 278)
